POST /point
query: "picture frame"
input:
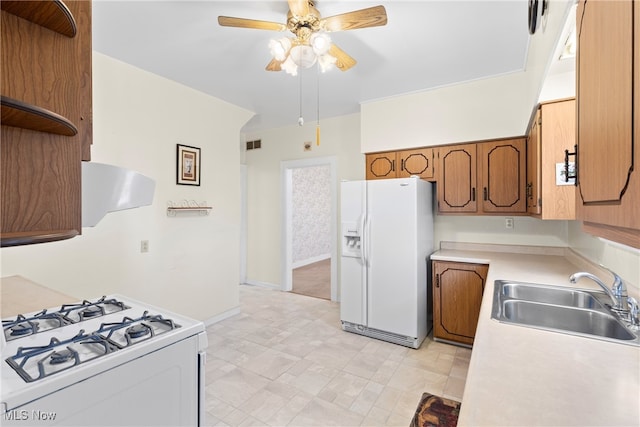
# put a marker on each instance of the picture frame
(188, 165)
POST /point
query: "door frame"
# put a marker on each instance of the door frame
(286, 179)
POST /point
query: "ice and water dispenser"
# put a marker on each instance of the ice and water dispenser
(351, 239)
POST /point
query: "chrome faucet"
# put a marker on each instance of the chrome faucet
(617, 293)
(634, 318)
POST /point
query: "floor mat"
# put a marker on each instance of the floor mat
(434, 411)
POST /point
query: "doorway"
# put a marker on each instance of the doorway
(309, 227)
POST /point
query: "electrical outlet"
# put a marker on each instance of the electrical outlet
(144, 246)
(508, 223)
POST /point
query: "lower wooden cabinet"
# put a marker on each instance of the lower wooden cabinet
(457, 296)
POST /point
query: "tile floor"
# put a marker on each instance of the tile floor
(284, 361)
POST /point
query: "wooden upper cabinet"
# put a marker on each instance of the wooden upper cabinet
(503, 170)
(605, 99)
(416, 162)
(498, 166)
(46, 118)
(555, 131)
(381, 165)
(608, 76)
(400, 164)
(457, 297)
(457, 179)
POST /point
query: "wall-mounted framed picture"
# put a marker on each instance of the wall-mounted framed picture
(188, 165)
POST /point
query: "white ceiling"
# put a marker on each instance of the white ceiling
(425, 44)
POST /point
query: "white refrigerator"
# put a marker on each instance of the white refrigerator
(387, 237)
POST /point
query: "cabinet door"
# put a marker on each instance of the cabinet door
(533, 166)
(607, 94)
(457, 179)
(503, 166)
(381, 165)
(558, 133)
(457, 296)
(416, 162)
(605, 100)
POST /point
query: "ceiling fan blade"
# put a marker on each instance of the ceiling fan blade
(229, 21)
(343, 61)
(371, 17)
(274, 65)
(299, 7)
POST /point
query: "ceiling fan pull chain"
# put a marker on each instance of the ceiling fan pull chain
(300, 119)
(318, 107)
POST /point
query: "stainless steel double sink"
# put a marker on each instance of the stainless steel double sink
(560, 309)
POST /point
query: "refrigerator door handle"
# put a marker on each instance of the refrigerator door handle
(367, 245)
(363, 222)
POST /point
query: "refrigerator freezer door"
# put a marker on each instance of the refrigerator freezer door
(392, 207)
(353, 276)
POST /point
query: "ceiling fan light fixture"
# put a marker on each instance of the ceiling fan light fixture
(279, 48)
(289, 66)
(326, 62)
(303, 55)
(321, 43)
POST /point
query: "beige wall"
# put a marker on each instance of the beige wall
(483, 109)
(340, 137)
(193, 263)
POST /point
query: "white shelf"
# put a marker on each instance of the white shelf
(173, 209)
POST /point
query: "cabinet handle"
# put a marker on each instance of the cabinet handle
(473, 194)
(484, 193)
(401, 164)
(393, 165)
(567, 177)
(437, 280)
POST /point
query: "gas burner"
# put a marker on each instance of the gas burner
(24, 328)
(138, 331)
(62, 356)
(92, 311)
(36, 323)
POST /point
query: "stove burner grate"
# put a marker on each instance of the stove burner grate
(38, 362)
(143, 328)
(88, 309)
(61, 355)
(39, 322)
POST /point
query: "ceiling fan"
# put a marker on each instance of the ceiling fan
(311, 43)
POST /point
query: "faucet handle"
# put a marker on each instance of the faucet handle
(633, 311)
(619, 288)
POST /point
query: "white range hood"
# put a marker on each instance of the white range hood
(108, 188)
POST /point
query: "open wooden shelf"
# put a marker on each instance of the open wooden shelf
(51, 14)
(31, 237)
(26, 116)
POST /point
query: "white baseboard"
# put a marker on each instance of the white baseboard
(262, 284)
(222, 316)
(311, 260)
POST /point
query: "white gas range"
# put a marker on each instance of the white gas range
(112, 361)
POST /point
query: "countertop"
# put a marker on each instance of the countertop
(521, 376)
(20, 296)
